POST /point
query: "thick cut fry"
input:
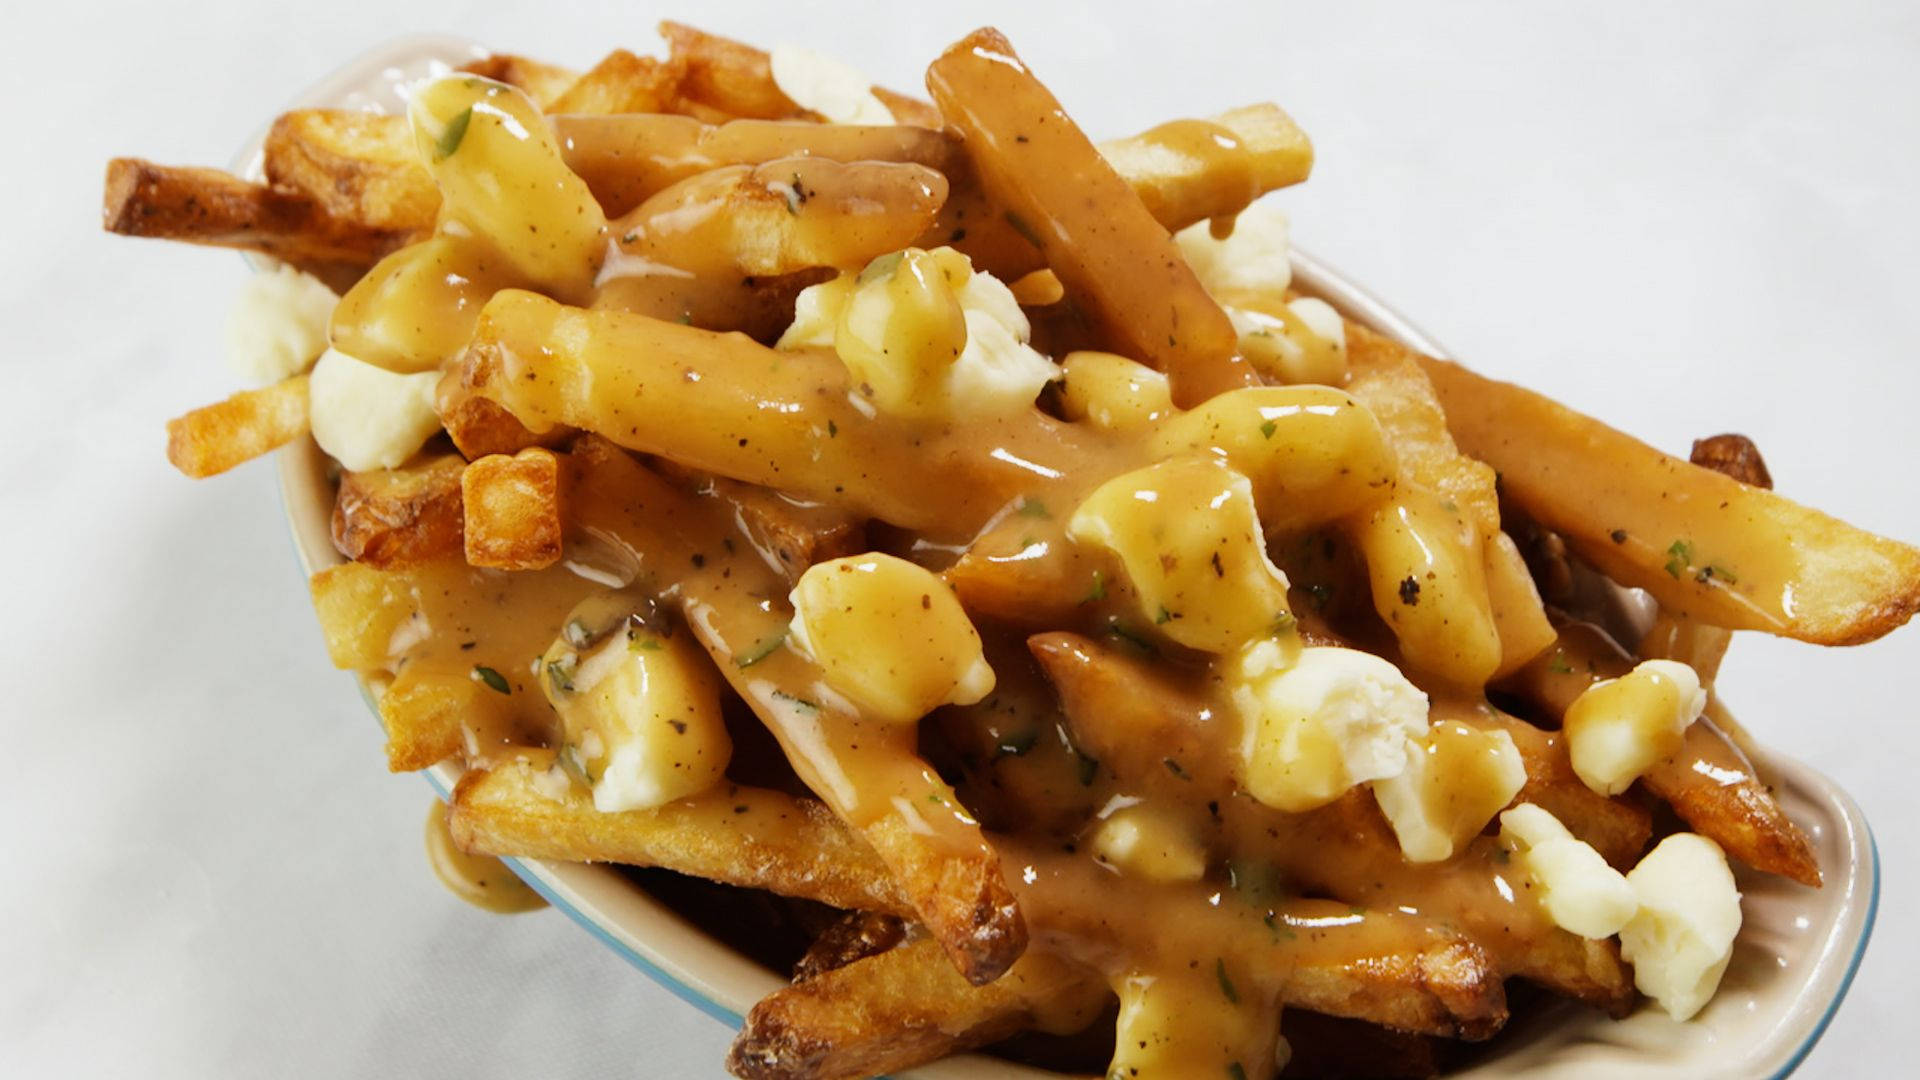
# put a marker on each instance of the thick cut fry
(790, 533)
(723, 404)
(426, 716)
(622, 83)
(902, 1008)
(480, 426)
(360, 607)
(400, 517)
(1617, 829)
(1113, 257)
(513, 513)
(627, 158)
(1192, 170)
(867, 768)
(743, 836)
(854, 936)
(1134, 720)
(359, 166)
(737, 79)
(790, 214)
(214, 438)
(542, 82)
(1703, 544)
(207, 206)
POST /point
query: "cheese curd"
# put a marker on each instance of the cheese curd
(1189, 543)
(1301, 341)
(1681, 938)
(1455, 780)
(1148, 843)
(888, 635)
(821, 84)
(1619, 728)
(1316, 723)
(278, 324)
(1254, 258)
(1580, 892)
(640, 709)
(925, 335)
(367, 417)
(1112, 392)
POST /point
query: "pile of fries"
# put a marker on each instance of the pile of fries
(1127, 626)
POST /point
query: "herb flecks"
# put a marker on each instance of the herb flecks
(1679, 558)
(761, 649)
(453, 134)
(494, 680)
(1226, 984)
(1410, 591)
(1099, 590)
(1033, 508)
(795, 699)
(1267, 428)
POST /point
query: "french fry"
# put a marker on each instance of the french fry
(1133, 721)
(901, 1008)
(782, 420)
(737, 80)
(543, 82)
(900, 806)
(789, 214)
(793, 533)
(359, 166)
(207, 206)
(513, 512)
(1113, 257)
(360, 607)
(400, 517)
(854, 936)
(1617, 829)
(479, 426)
(426, 716)
(627, 158)
(1732, 456)
(622, 83)
(1703, 544)
(746, 836)
(214, 438)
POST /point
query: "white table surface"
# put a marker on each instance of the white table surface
(1687, 218)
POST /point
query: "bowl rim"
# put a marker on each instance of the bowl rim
(709, 983)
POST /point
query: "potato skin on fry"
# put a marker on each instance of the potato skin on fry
(512, 510)
(400, 517)
(214, 438)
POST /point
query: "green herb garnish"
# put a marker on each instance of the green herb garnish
(761, 650)
(494, 680)
(1226, 984)
(1267, 428)
(1679, 557)
(1099, 590)
(1033, 508)
(453, 134)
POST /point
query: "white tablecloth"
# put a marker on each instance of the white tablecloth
(1687, 218)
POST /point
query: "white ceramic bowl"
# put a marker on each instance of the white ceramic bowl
(1794, 959)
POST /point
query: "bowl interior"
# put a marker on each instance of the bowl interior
(1795, 956)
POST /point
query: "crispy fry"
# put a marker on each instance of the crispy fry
(207, 206)
(1735, 456)
(1615, 828)
(360, 607)
(214, 438)
(1184, 170)
(513, 513)
(543, 82)
(425, 715)
(854, 936)
(737, 80)
(790, 846)
(622, 83)
(753, 414)
(901, 1008)
(360, 167)
(1711, 547)
(399, 517)
(1113, 257)
(1133, 721)
(794, 533)
(480, 426)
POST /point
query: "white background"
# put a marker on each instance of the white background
(1687, 218)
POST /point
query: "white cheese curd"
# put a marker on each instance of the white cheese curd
(1617, 729)
(819, 83)
(1315, 727)
(1145, 842)
(1682, 937)
(1580, 892)
(367, 417)
(1308, 345)
(278, 324)
(1112, 392)
(1254, 259)
(1455, 780)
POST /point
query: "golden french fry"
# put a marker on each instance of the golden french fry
(359, 166)
(902, 1008)
(1113, 257)
(737, 80)
(207, 206)
(426, 716)
(746, 836)
(513, 512)
(782, 420)
(480, 426)
(400, 517)
(795, 533)
(1703, 544)
(214, 438)
(543, 82)
(854, 936)
(1185, 170)
(622, 83)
